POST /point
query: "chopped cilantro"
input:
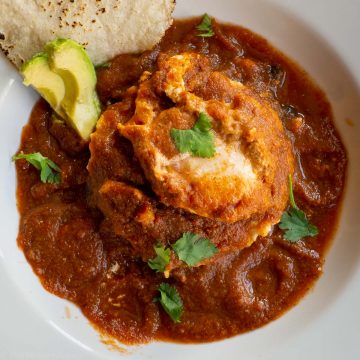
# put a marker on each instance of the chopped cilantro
(49, 171)
(199, 141)
(170, 301)
(294, 221)
(161, 260)
(205, 28)
(192, 249)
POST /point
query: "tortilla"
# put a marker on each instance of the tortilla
(104, 27)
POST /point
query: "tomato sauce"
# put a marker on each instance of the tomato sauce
(74, 252)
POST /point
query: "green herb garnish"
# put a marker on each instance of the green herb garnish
(205, 28)
(295, 222)
(104, 65)
(161, 260)
(192, 249)
(170, 301)
(199, 141)
(49, 171)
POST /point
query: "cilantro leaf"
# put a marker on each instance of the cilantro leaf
(296, 225)
(161, 260)
(294, 221)
(199, 141)
(192, 249)
(171, 301)
(49, 171)
(205, 28)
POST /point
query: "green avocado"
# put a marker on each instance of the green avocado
(65, 77)
(36, 72)
(69, 60)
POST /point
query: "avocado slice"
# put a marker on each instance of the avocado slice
(37, 73)
(69, 60)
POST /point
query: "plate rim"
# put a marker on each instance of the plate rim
(71, 349)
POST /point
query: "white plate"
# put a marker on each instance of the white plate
(322, 36)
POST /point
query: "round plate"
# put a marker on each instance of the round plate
(321, 36)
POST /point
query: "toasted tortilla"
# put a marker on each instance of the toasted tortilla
(104, 27)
